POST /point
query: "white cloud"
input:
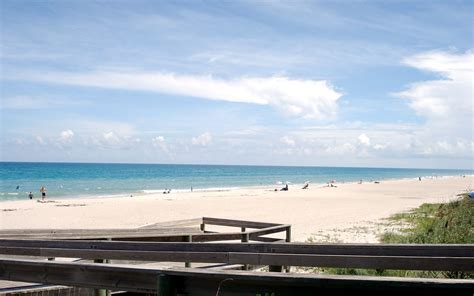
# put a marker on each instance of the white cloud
(450, 97)
(446, 104)
(364, 139)
(160, 143)
(66, 136)
(202, 140)
(287, 140)
(111, 138)
(314, 99)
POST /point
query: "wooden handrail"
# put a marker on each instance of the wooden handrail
(204, 282)
(436, 250)
(446, 263)
(172, 231)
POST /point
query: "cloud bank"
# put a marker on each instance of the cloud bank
(312, 99)
(447, 98)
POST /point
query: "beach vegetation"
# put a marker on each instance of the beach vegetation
(445, 223)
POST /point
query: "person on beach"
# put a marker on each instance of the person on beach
(306, 185)
(43, 193)
(285, 188)
(30, 195)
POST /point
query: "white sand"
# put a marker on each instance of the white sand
(348, 213)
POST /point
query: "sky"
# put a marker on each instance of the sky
(313, 83)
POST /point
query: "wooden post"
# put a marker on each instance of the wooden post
(189, 239)
(279, 268)
(245, 239)
(100, 292)
(275, 268)
(165, 285)
(203, 227)
(288, 234)
(288, 240)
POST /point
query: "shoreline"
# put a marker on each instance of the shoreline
(147, 192)
(350, 212)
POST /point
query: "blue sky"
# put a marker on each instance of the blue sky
(323, 83)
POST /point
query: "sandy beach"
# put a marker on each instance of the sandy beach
(350, 212)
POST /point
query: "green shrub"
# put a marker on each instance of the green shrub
(450, 223)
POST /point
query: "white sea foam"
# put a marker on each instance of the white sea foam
(209, 189)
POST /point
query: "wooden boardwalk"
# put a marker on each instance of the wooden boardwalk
(165, 242)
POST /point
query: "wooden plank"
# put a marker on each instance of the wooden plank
(436, 250)
(200, 237)
(223, 266)
(168, 256)
(191, 281)
(268, 239)
(356, 261)
(122, 235)
(268, 230)
(342, 261)
(82, 275)
(139, 246)
(237, 223)
(184, 222)
(208, 237)
(94, 230)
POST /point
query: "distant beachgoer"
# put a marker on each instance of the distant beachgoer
(360, 182)
(17, 187)
(30, 195)
(191, 188)
(305, 186)
(169, 191)
(419, 178)
(43, 193)
(284, 188)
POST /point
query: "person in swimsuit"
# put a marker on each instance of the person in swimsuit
(43, 193)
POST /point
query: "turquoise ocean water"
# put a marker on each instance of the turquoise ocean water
(90, 179)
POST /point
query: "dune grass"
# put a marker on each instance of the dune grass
(447, 223)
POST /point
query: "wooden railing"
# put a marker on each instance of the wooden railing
(191, 230)
(167, 282)
(410, 257)
(166, 242)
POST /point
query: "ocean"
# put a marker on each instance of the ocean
(103, 180)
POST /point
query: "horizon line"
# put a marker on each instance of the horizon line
(246, 165)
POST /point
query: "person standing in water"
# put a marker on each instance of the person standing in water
(30, 195)
(43, 193)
